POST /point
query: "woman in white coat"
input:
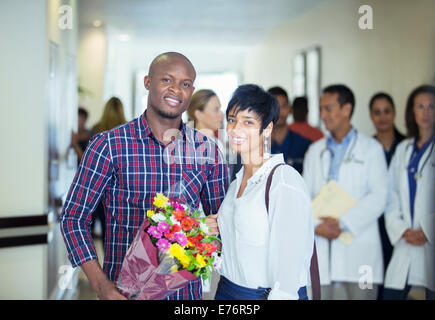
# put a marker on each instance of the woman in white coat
(410, 212)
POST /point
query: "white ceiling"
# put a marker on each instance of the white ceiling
(222, 22)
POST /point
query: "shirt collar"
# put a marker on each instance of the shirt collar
(144, 129)
(349, 136)
(263, 171)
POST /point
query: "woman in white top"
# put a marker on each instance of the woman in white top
(410, 213)
(265, 255)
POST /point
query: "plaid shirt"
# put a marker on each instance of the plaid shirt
(125, 168)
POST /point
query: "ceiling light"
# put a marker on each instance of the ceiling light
(97, 23)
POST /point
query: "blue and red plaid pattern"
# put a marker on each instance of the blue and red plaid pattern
(125, 168)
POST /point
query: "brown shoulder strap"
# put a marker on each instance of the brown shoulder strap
(314, 267)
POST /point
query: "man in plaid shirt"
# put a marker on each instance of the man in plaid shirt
(128, 165)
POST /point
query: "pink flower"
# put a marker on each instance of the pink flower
(176, 205)
(152, 231)
(163, 227)
(181, 239)
(163, 245)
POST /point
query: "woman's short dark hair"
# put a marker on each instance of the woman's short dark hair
(381, 95)
(411, 124)
(254, 98)
(345, 95)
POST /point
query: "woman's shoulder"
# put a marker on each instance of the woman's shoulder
(286, 175)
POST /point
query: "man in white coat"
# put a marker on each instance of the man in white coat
(357, 164)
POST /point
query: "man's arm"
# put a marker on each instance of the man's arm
(370, 207)
(84, 194)
(105, 289)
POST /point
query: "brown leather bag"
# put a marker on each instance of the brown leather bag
(314, 267)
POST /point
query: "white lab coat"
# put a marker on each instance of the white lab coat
(365, 178)
(418, 261)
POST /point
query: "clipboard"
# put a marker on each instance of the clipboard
(333, 201)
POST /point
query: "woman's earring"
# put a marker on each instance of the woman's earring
(266, 147)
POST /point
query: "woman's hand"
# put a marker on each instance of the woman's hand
(211, 221)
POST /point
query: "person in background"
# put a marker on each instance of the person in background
(300, 124)
(410, 214)
(356, 163)
(80, 140)
(291, 144)
(205, 111)
(113, 116)
(383, 113)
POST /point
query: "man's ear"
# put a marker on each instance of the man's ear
(348, 108)
(146, 82)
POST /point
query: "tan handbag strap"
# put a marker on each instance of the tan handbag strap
(314, 267)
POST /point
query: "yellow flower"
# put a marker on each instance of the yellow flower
(200, 260)
(150, 213)
(160, 200)
(189, 244)
(174, 268)
(178, 252)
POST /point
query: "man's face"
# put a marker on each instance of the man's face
(284, 109)
(332, 114)
(170, 86)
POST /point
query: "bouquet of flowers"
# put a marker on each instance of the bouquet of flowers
(171, 248)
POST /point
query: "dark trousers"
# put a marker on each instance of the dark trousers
(228, 290)
(387, 251)
(395, 294)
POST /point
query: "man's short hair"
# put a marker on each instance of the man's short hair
(278, 91)
(345, 95)
(254, 98)
(300, 109)
(83, 112)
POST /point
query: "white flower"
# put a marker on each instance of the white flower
(158, 217)
(173, 220)
(204, 227)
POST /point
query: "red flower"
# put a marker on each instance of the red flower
(169, 236)
(187, 223)
(175, 228)
(178, 215)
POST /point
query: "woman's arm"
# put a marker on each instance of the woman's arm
(394, 222)
(291, 235)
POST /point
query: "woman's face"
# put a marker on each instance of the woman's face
(243, 131)
(382, 114)
(211, 117)
(424, 111)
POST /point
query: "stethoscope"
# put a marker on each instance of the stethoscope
(348, 156)
(418, 174)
